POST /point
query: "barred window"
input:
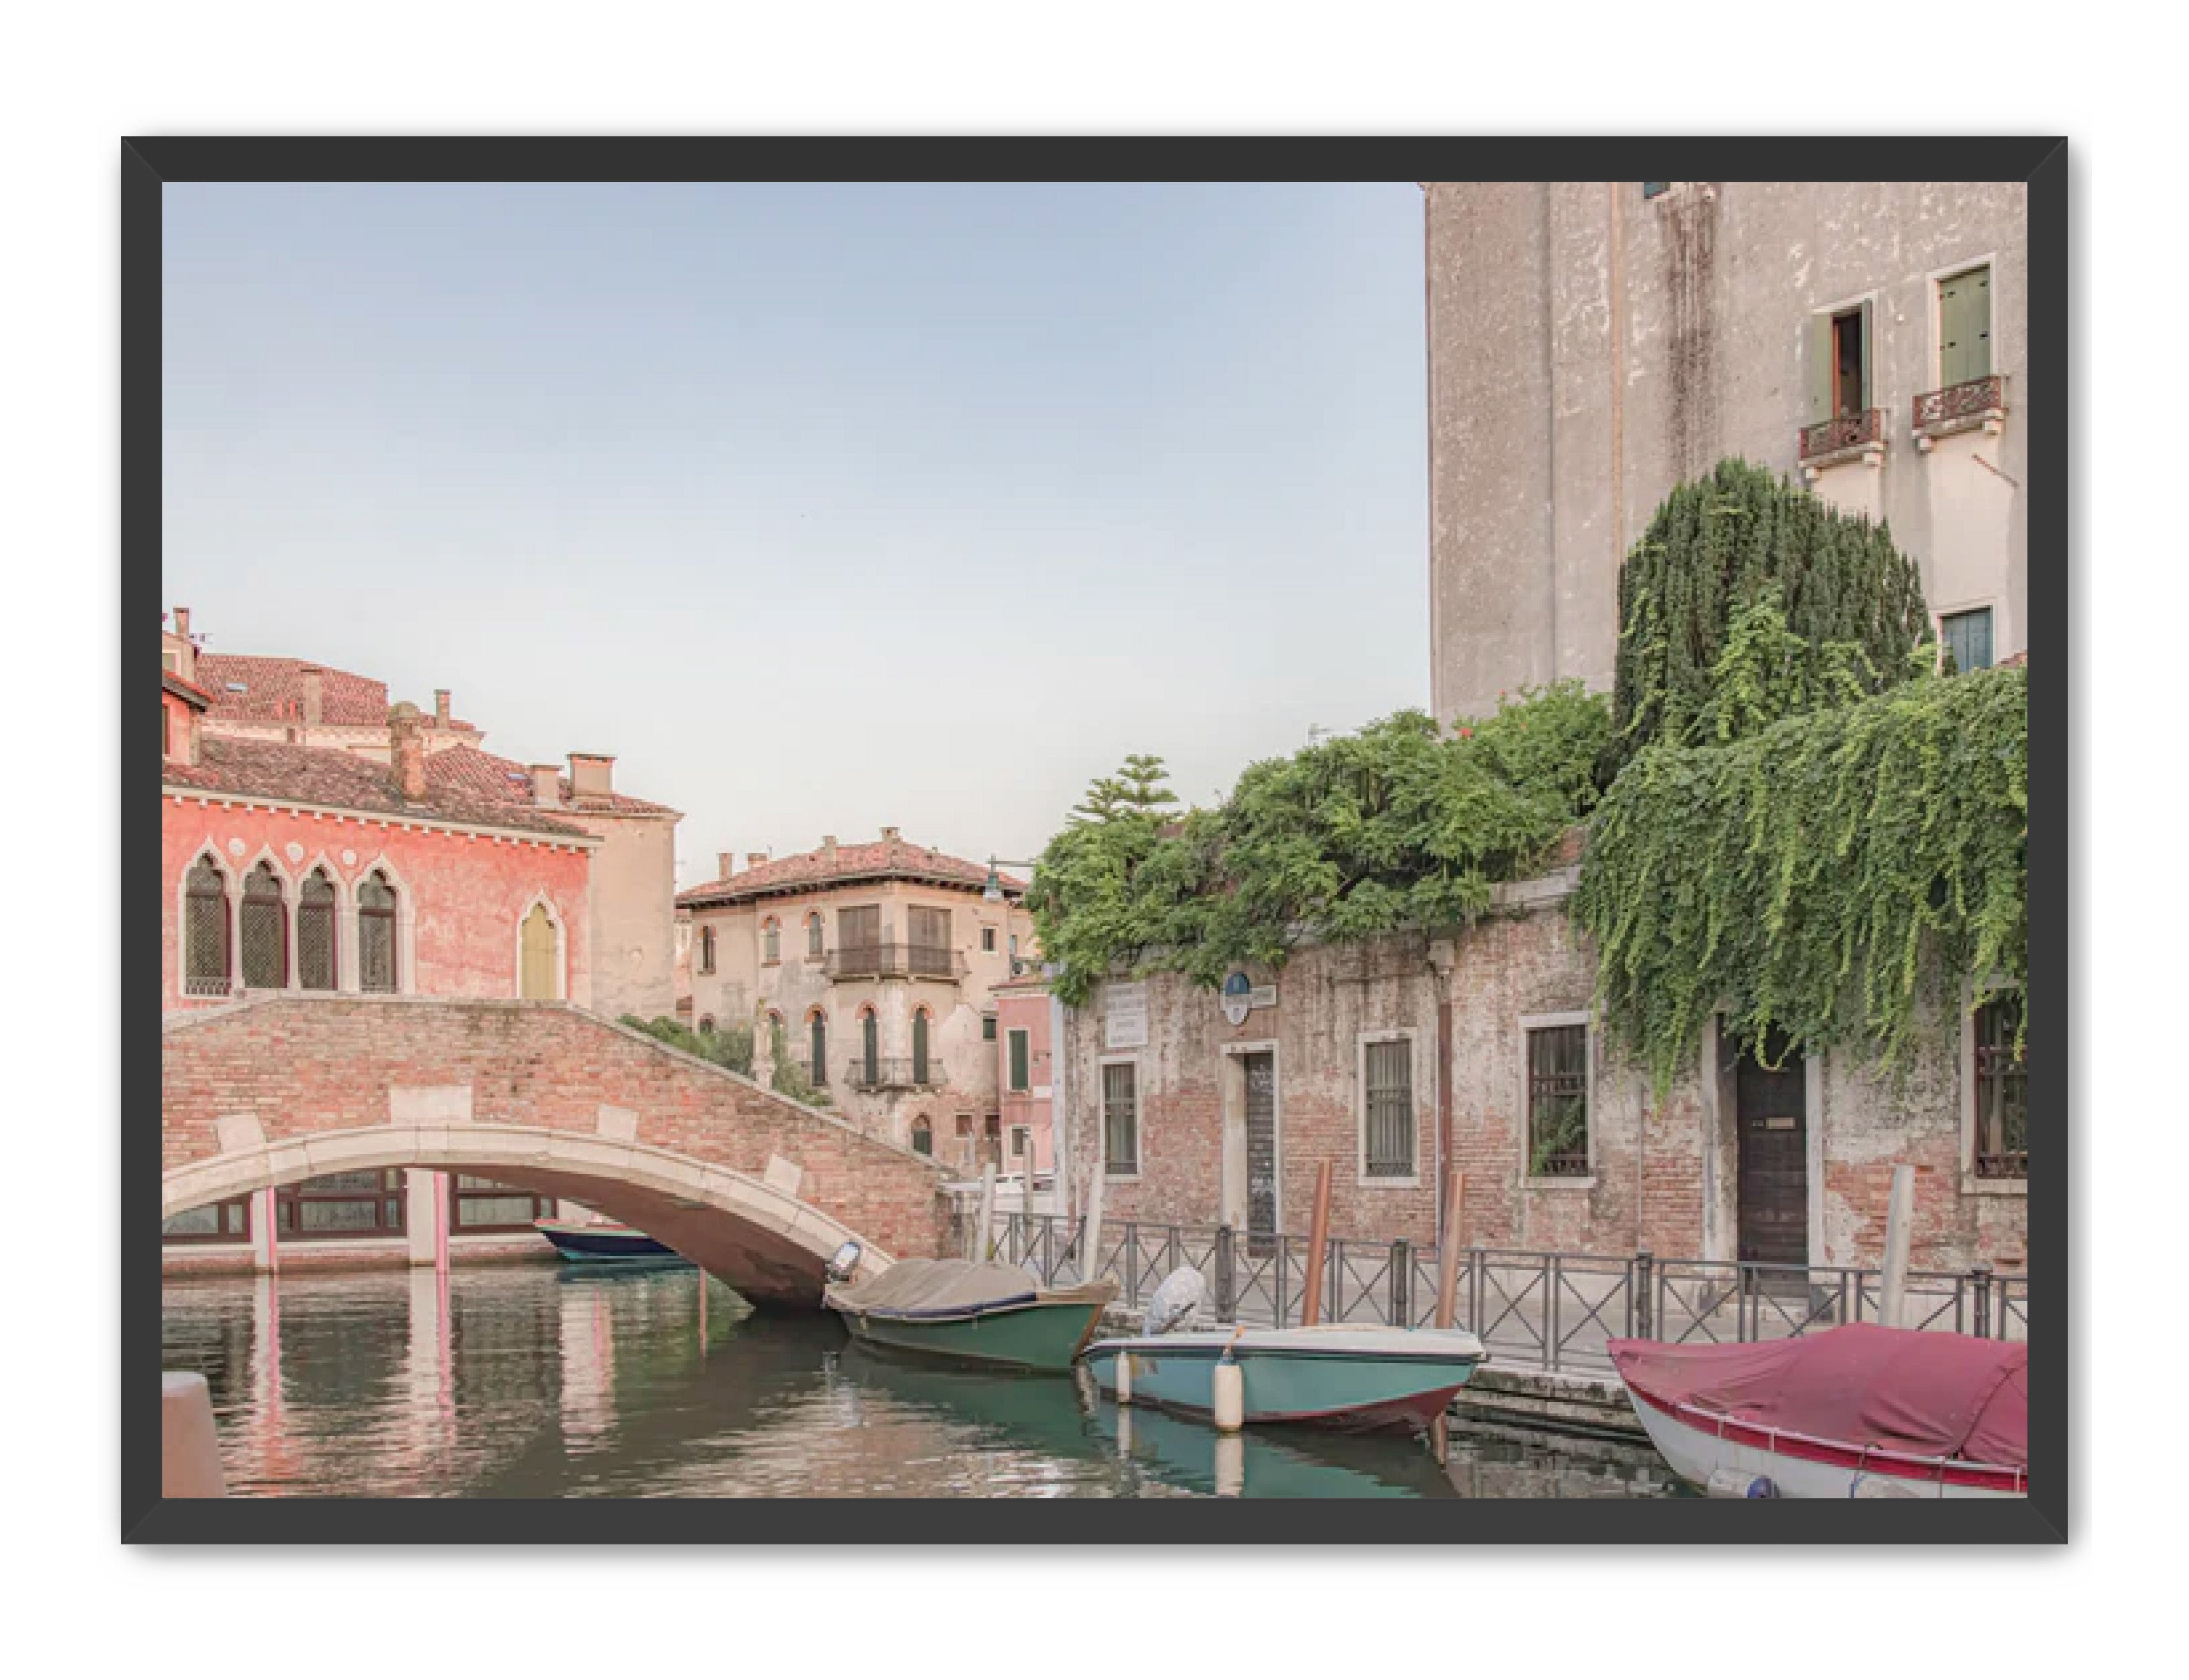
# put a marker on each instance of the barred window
(375, 935)
(205, 932)
(226, 1221)
(342, 1204)
(2002, 1091)
(263, 930)
(813, 938)
(923, 1136)
(770, 939)
(1558, 1102)
(706, 950)
(817, 1032)
(1389, 1112)
(481, 1204)
(1121, 1119)
(315, 933)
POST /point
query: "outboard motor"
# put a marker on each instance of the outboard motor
(1178, 1299)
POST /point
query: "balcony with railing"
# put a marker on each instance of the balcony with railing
(1964, 407)
(1859, 436)
(893, 959)
(894, 1073)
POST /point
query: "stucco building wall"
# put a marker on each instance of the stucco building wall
(632, 914)
(1590, 347)
(744, 986)
(462, 895)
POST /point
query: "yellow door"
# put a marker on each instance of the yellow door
(536, 973)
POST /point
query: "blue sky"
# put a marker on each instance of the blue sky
(820, 507)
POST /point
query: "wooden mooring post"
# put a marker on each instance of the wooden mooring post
(1318, 1248)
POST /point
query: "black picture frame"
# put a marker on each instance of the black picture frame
(147, 164)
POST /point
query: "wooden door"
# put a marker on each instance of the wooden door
(1772, 1112)
(1261, 1071)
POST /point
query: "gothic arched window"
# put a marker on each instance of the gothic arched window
(205, 931)
(375, 935)
(315, 933)
(262, 930)
(817, 1032)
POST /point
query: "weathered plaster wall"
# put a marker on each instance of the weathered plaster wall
(745, 986)
(633, 913)
(1589, 348)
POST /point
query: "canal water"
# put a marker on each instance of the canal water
(542, 1382)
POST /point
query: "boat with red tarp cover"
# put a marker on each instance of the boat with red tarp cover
(1860, 1411)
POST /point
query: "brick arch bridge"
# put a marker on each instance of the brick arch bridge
(548, 1097)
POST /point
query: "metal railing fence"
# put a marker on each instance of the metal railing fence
(1551, 1312)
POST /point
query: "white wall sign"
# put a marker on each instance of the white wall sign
(1125, 1015)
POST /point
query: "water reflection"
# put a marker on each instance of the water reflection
(543, 1382)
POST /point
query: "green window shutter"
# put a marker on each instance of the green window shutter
(1019, 1079)
(1820, 368)
(1964, 327)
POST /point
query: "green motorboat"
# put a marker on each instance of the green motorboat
(963, 1309)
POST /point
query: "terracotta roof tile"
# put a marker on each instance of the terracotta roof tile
(873, 860)
(327, 776)
(266, 688)
(476, 774)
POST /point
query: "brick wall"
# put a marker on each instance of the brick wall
(1663, 1170)
(310, 1066)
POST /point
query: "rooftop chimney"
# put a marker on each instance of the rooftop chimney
(591, 775)
(315, 694)
(407, 750)
(182, 622)
(892, 836)
(828, 851)
(440, 708)
(726, 865)
(547, 785)
(755, 859)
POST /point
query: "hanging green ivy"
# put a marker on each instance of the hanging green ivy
(1825, 875)
(1846, 604)
(1397, 826)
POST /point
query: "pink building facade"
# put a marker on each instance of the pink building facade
(1026, 1072)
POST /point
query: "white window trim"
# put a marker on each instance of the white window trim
(231, 894)
(345, 917)
(1995, 605)
(1936, 364)
(1394, 1035)
(1533, 1023)
(1971, 1184)
(406, 913)
(1139, 1118)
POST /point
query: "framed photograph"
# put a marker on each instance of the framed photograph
(1010, 829)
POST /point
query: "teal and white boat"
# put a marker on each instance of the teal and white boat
(1342, 1376)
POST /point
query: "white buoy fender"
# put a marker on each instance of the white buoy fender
(1230, 1397)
